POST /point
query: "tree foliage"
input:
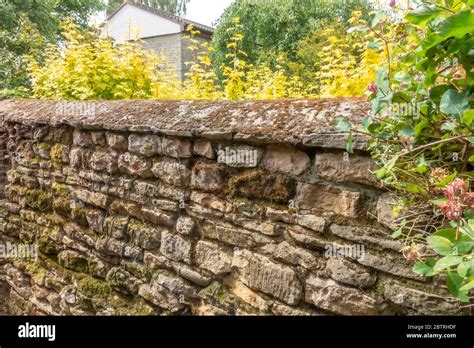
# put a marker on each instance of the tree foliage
(26, 26)
(274, 27)
(90, 66)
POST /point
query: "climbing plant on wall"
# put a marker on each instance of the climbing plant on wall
(422, 133)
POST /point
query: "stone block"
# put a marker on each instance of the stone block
(172, 172)
(328, 198)
(175, 247)
(339, 299)
(204, 148)
(342, 167)
(260, 273)
(146, 145)
(285, 160)
(214, 258)
(135, 165)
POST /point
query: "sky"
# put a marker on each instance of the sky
(206, 11)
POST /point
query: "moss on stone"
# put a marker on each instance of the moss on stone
(44, 145)
(39, 200)
(78, 214)
(61, 190)
(58, 151)
(94, 288)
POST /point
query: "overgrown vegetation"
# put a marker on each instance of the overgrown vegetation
(422, 134)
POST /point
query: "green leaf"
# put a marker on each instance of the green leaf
(458, 25)
(448, 126)
(468, 286)
(468, 117)
(342, 124)
(454, 282)
(374, 45)
(425, 268)
(454, 103)
(396, 234)
(447, 180)
(412, 188)
(422, 14)
(440, 245)
(349, 145)
(377, 18)
(447, 262)
(463, 268)
(420, 126)
(439, 202)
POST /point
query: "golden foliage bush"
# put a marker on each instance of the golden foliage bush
(90, 66)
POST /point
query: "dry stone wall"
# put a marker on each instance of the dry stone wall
(156, 208)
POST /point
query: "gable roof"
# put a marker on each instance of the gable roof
(183, 22)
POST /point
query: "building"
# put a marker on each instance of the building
(159, 30)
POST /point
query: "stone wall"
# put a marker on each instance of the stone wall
(175, 48)
(200, 208)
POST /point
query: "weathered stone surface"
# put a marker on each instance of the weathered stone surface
(144, 235)
(288, 253)
(345, 167)
(177, 148)
(388, 263)
(280, 215)
(312, 222)
(339, 299)
(209, 177)
(103, 160)
(247, 295)
(93, 198)
(95, 219)
(260, 273)
(146, 145)
(108, 234)
(213, 257)
(233, 236)
(82, 138)
(350, 273)
(135, 165)
(204, 148)
(176, 285)
(116, 226)
(160, 296)
(172, 172)
(117, 141)
(258, 184)
(285, 160)
(175, 247)
(210, 201)
(384, 207)
(420, 301)
(366, 235)
(185, 225)
(329, 198)
(98, 138)
(158, 217)
(239, 156)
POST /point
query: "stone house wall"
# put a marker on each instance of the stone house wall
(208, 208)
(175, 48)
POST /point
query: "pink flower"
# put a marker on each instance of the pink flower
(371, 88)
(392, 3)
(456, 188)
(452, 210)
(468, 199)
